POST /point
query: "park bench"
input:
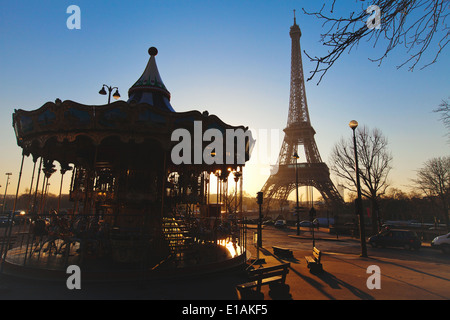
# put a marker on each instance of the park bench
(314, 264)
(274, 276)
(282, 252)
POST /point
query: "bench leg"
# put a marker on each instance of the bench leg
(279, 291)
(315, 268)
(249, 294)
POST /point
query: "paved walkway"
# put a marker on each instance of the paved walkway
(344, 278)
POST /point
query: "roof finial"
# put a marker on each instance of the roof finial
(152, 51)
(294, 18)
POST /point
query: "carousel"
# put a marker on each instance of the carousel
(134, 204)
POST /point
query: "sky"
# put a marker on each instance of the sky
(231, 58)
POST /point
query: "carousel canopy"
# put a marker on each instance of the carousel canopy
(150, 88)
(65, 131)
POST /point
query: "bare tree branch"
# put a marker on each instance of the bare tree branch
(433, 179)
(444, 110)
(411, 23)
(374, 162)
(374, 165)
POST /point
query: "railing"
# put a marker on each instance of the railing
(56, 241)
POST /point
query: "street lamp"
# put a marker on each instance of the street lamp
(259, 200)
(353, 125)
(6, 189)
(116, 94)
(295, 156)
(237, 175)
(217, 174)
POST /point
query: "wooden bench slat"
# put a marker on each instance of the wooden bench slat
(264, 276)
(281, 249)
(254, 284)
(247, 285)
(270, 274)
(268, 269)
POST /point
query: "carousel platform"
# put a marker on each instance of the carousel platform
(53, 267)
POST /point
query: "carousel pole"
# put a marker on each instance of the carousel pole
(45, 196)
(202, 187)
(241, 182)
(225, 195)
(209, 186)
(3, 211)
(235, 194)
(60, 188)
(92, 203)
(219, 189)
(37, 187)
(217, 193)
(206, 183)
(34, 212)
(8, 174)
(28, 211)
(9, 227)
(72, 188)
(44, 182)
(31, 186)
(163, 184)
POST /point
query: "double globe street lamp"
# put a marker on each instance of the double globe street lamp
(116, 94)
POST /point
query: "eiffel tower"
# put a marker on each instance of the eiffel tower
(299, 132)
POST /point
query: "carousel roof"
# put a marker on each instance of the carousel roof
(62, 130)
(150, 88)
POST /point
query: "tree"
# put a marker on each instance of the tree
(374, 165)
(444, 110)
(410, 23)
(433, 179)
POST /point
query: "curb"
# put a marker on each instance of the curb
(322, 238)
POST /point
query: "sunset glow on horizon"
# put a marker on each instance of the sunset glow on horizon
(231, 59)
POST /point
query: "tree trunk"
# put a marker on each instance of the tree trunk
(375, 215)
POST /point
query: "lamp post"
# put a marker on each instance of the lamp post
(217, 173)
(295, 156)
(259, 200)
(312, 214)
(353, 125)
(116, 94)
(237, 175)
(6, 189)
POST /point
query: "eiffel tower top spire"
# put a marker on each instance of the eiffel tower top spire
(295, 28)
(298, 106)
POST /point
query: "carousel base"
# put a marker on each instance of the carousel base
(51, 267)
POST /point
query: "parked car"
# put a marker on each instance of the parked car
(20, 217)
(396, 238)
(5, 221)
(268, 223)
(306, 224)
(280, 224)
(323, 222)
(442, 242)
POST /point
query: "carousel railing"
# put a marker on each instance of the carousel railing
(57, 241)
